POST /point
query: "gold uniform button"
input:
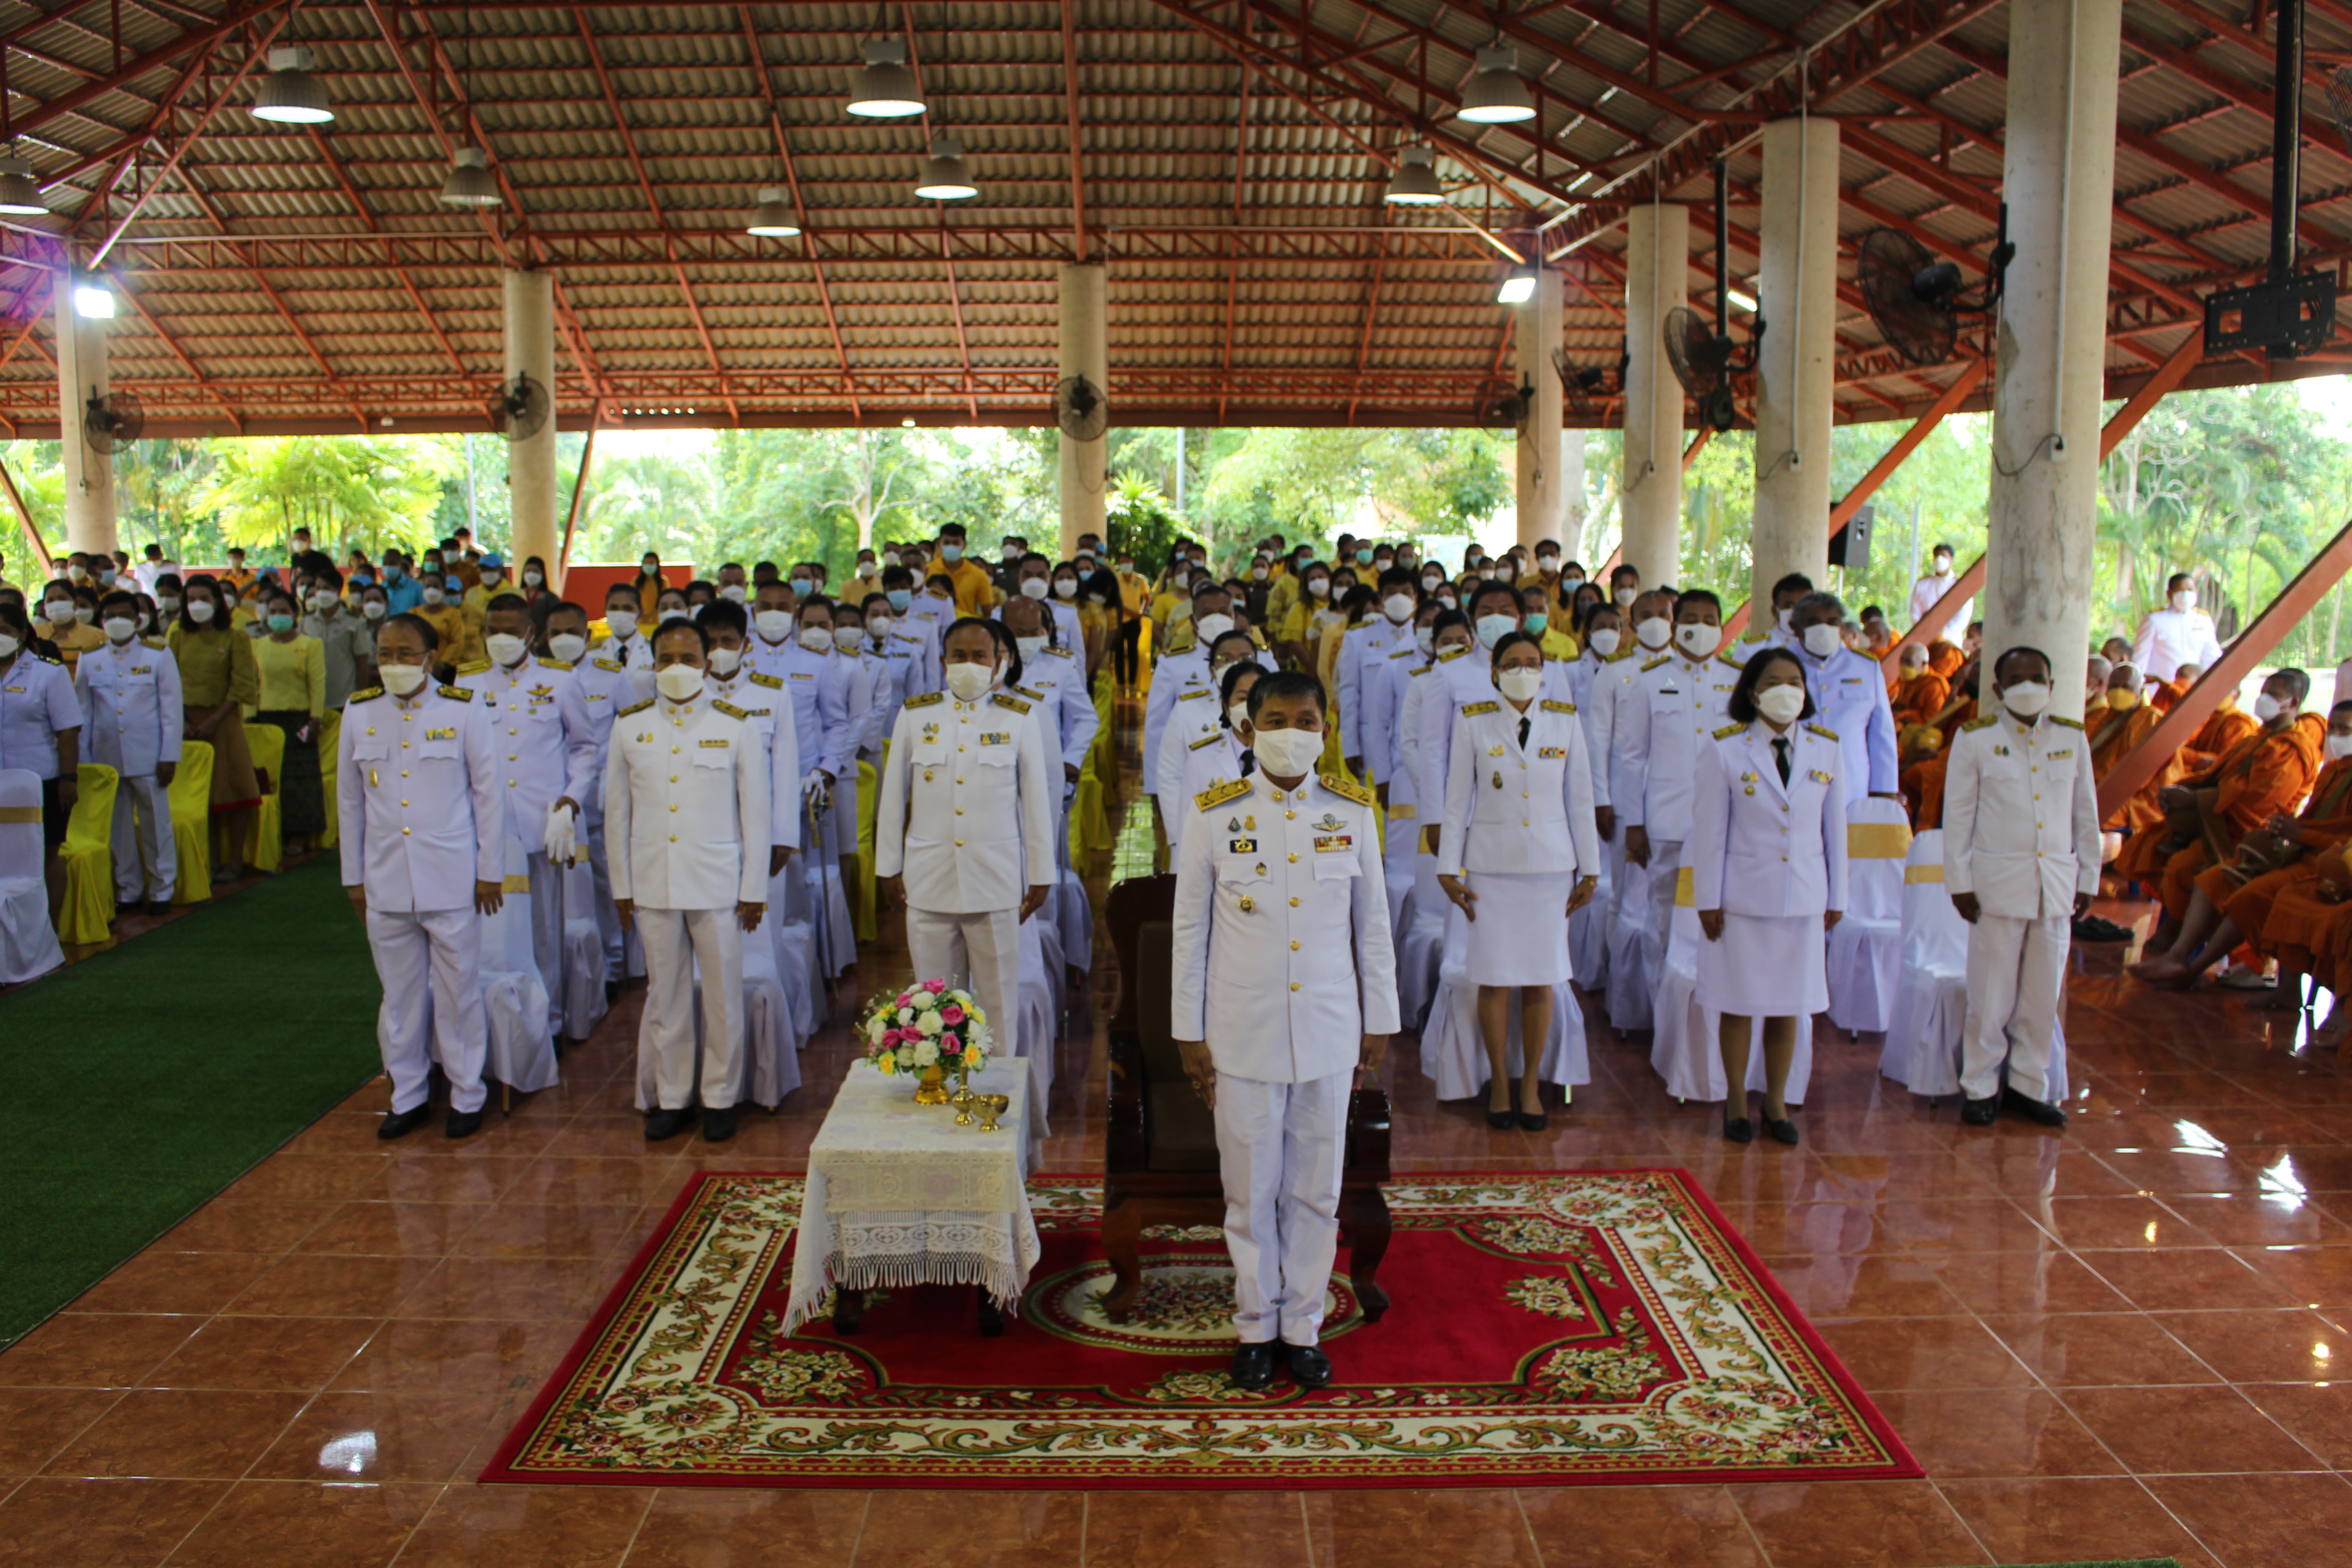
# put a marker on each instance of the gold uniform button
(1294, 903)
(959, 811)
(403, 802)
(959, 842)
(1294, 986)
(1294, 947)
(403, 830)
(1289, 814)
(1294, 858)
(511, 757)
(673, 778)
(959, 748)
(674, 750)
(672, 806)
(672, 838)
(404, 773)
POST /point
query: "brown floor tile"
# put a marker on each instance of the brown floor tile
(2187, 1431)
(2003, 1283)
(1405, 1527)
(1155, 1530)
(2260, 1221)
(513, 1229)
(2204, 1280)
(2097, 1350)
(2317, 1276)
(2319, 1414)
(265, 1524)
(1944, 1226)
(199, 1433)
(119, 1523)
(2261, 1347)
(93, 1349)
(153, 1281)
(1638, 1527)
(1858, 1524)
(35, 1422)
(382, 1229)
(1827, 1286)
(411, 1355)
(241, 1225)
(2255, 1521)
(528, 1527)
(1995, 1432)
(302, 1286)
(503, 1288)
(380, 1437)
(313, 1178)
(2054, 1520)
(299, 1354)
(1889, 1354)
(2118, 1223)
(424, 1178)
(711, 1527)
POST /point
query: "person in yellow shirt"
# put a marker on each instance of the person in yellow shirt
(1303, 626)
(449, 622)
(236, 579)
(62, 624)
(489, 577)
(975, 590)
(1538, 608)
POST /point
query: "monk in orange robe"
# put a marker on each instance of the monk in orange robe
(1921, 753)
(2242, 898)
(2207, 814)
(2227, 725)
(2117, 727)
(1944, 658)
(1919, 694)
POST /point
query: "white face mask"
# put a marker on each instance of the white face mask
(1821, 639)
(1238, 714)
(677, 682)
(168, 604)
(120, 630)
(1782, 704)
(849, 639)
(8, 645)
(1398, 608)
(2267, 707)
(623, 622)
(1547, 563)
(1447, 599)
(816, 640)
(2027, 698)
(1425, 640)
(373, 609)
(867, 569)
(1430, 580)
(2338, 747)
(84, 614)
(1491, 629)
(725, 662)
(59, 611)
(1034, 588)
(533, 579)
(434, 595)
(1697, 639)
(1784, 616)
(1288, 753)
(1257, 574)
(737, 592)
(773, 625)
(1603, 642)
(889, 558)
(1030, 647)
(1652, 631)
(1943, 566)
(2185, 600)
(402, 679)
(568, 647)
(1320, 587)
(1066, 587)
(879, 625)
(1623, 596)
(504, 648)
(1519, 683)
(968, 681)
(200, 611)
(1214, 625)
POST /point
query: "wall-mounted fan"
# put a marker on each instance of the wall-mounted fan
(110, 421)
(1705, 361)
(521, 409)
(1510, 409)
(1916, 300)
(1589, 386)
(1080, 408)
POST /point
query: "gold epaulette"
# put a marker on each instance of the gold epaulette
(1825, 734)
(635, 708)
(1728, 731)
(2066, 724)
(1425, 668)
(1014, 704)
(774, 682)
(1206, 741)
(1058, 652)
(1973, 725)
(1217, 795)
(1185, 647)
(1655, 662)
(39, 657)
(548, 662)
(156, 643)
(1196, 691)
(615, 665)
(1622, 654)
(925, 700)
(475, 667)
(727, 708)
(1404, 653)
(1471, 710)
(1033, 696)
(906, 636)
(1551, 707)
(458, 693)
(1451, 654)
(1348, 789)
(1727, 656)
(369, 695)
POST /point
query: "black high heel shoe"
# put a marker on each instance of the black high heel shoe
(1740, 1130)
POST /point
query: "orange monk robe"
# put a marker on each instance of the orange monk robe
(2214, 738)
(1917, 700)
(2304, 930)
(1922, 791)
(2116, 734)
(2259, 778)
(1944, 658)
(2167, 693)
(2324, 823)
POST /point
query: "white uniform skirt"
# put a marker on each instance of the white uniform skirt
(1520, 937)
(1772, 967)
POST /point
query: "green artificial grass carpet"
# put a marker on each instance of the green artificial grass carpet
(137, 1084)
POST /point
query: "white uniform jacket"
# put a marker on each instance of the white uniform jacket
(1669, 713)
(1461, 676)
(2169, 639)
(1511, 807)
(1602, 708)
(417, 805)
(130, 711)
(1760, 848)
(687, 805)
(1210, 760)
(764, 703)
(543, 737)
(1368, 643)
(1850, 701)
(818, 684)
(1059, 680)
(36, 704)
(967, 811)
(1375, 724)
(1281, 959)
(2020, 817)
(1929, 592)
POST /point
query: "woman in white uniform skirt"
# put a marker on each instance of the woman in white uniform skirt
(1518, 852)
(1766, 855)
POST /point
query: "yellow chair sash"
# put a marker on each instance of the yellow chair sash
(1686, 889)
(1920, 874)
(20, 814)
(1877, 840)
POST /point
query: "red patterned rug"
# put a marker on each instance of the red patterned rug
(1548, 1329)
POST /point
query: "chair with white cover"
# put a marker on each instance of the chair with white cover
(522, 1052)
(772, 1038)
(1452, 1051)
(582, 1000)
(1420, 944)
(1686, 1051)
(1036, 1025)
(1636, 960)
(792, 922)
(1866, 951)
(1931, 994)
(28, 942)
(1588, 932)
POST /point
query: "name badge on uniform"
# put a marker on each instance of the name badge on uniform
(140, 668)
(19, 690)
(720, 745)
(995, 737)
(432, 734)
(802, 674)
(1332, 843)
(1817, 775)
(1241, 846)
(2053, 756)
(1549, 753)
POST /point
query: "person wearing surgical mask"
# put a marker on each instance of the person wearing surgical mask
(1302, 628)
(1849, 694)
(63, 627)
(291, 671)
(1600, 635)
(460, 645)
(1184, 679)
(823, 686)
(1624, 583)
(218, 681)
(1517, 855)
(690, 851)
(2178, 633)
(346, 648)
(131, 721)
(1460, 680)
(1224, 753)
(1382, 636)
(873, 691)
(1933, 616)
(1609, 693)
(963, 827)
(1767, 854)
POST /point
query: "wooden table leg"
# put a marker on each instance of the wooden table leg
(992, 1317)
(848, 1307)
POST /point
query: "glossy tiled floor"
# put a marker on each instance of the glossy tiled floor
(2117, 1342)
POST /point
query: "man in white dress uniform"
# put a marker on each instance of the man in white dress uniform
(131, 721)
(1285, 991)
(2175, 635)
(1928, 592)
(2020, 861)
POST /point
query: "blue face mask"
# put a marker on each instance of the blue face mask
(951, 554)
(1536, 624)
(281, 623)
(393, 574)
(900, 598)
(1363, 557)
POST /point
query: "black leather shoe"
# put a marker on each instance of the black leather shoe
(611, 992)
(1980, 1112)
(1253, 1366)
(1534, 1121)
(1783, 1131)
(664, 1124)
(1501, 1120)
(2033, 1110)
(1740, 1130)
(401, 1123)
(462, 1123)
(717, 1126)
(1310, 1367)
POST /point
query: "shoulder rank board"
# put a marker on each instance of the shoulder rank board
(1471, 710)
(1014, 704)
(925, 700)
(1728, 731)
(1217, 795)
(727, 708)
(775, 682)
(2065, 723)
(1346, 789)
(1825, 734)
(1654, 664)
(458, 693)
(368, 695)
(614, 665)
(474, 667)
(635, 708)
(1973, 725)
(1206, 741)
(1551, 707)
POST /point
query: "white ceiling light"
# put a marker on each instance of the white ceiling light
(471, 183)
(290, 94)
(944, 179)
(1498, 94)
(773, 217)
(1519, 287)
(18, 194)
(95, 300)
(1744, 301)
(1414, 184)
(883, 87)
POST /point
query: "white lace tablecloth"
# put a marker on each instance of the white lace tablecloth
(899, 1194)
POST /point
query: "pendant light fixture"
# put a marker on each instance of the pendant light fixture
(1414, 184)
(772, 218)
(19, 196)
(944, 178)
(1518, 286)
(1497, 93)
(471, 183)
(884, 87)
(290, 94)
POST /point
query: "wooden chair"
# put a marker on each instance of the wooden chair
(1159, 1162)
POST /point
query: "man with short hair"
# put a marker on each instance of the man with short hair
(345, 649)
(1930, 617)
(1849, 697)
(2178, 633)
(974, 590)
(132, 722)
(1369, 641)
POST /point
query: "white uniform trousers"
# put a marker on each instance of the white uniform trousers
(430, 962)
(1281, 1147)
(600, 872)
(145, 857)
(674, 940)
(546, 932)
(2016, 968)
(1666, 870)
(982, 952)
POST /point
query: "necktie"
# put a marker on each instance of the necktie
(1249, 760)
(1781, 756)
(1523, 734)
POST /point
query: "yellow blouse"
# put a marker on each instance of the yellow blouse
(292, 676)
(216, 666)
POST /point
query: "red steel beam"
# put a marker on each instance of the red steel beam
(133, 69)
(2164, 377)
(1070, 98)
(368, 217)
(25, 524)
(578, 493)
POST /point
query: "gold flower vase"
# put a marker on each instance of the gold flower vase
(931, 1089)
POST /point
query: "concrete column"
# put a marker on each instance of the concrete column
(530, 462)
(81, 373)
(1796, 290)
(2051, 347)
(1082, 348)
(1657, 278)
(1540, 487)
(1573, 506)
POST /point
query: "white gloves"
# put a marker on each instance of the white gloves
(562, 834)
(817, 789)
